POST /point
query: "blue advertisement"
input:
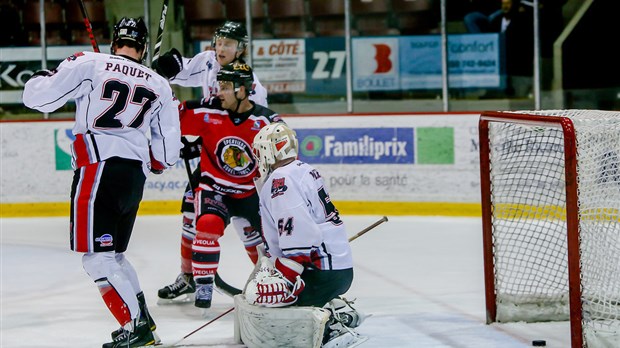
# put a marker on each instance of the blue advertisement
(357, 145)
(474, 60)
(326, 66)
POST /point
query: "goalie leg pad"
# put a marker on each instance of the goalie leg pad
(263, 327)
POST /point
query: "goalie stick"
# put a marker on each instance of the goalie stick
(89, 27)
(352, 238)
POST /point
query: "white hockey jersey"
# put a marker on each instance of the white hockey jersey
(201, 71)
(299, 220)
(121, 106)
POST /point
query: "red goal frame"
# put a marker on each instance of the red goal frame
(572, 215)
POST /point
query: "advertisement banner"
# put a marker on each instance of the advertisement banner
(418, 158)
(280, 64)
(326, 66)
(376, 64)
(19, 63)
(473, 61)
(356, 145)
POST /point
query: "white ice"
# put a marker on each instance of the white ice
(420, 278)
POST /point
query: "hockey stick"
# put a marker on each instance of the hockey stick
(160, 31)
(354, 237)
(200, 328)
(232, 291)
(379, 222)
(89, 27)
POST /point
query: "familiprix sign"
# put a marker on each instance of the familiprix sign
(357, 145)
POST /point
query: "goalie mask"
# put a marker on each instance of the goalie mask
(131, 32)
(273, 143)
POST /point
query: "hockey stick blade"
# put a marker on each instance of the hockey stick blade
(224, 287)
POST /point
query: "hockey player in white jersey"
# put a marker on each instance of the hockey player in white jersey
(309, 257)
(126, 124)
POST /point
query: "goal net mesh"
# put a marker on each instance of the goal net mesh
(528, 195)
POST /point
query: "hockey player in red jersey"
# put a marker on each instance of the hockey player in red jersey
(229, 45)
(227, 169)
(121, 106)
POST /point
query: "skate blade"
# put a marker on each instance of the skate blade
(180, 300)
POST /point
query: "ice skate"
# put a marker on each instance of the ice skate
(145, 318)
(343, 337)
(179, 292)
(140, 337)
(339, 331)
(343, 312)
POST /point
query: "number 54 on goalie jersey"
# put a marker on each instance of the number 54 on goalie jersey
(299, 220)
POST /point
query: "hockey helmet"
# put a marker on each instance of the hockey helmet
(131, 29)
(273, 143)
(232, 30)
(239, 74)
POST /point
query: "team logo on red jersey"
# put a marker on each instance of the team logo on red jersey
(278, 187)
(235, 156)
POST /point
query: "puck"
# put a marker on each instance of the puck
(539, 343)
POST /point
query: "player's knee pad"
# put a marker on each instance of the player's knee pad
(100, 265)
(189, 229)
(129, 271)
(249, 235)
(210, 226)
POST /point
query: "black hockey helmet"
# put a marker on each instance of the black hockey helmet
(232, 30)
(131, 29)
(238, 73)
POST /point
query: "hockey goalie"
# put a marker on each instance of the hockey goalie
(292, 299)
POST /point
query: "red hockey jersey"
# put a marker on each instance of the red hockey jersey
(226, 162)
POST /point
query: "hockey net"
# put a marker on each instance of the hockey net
(550, 183)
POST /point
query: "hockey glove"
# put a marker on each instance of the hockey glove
(211, 103)
(43, 72)
(169, 64)
(278, 287)
(156, 167)
(190, 149)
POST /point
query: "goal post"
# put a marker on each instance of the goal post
(550, 195)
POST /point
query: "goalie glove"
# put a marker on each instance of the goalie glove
(276, 287)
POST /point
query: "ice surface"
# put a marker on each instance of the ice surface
(421, 278)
